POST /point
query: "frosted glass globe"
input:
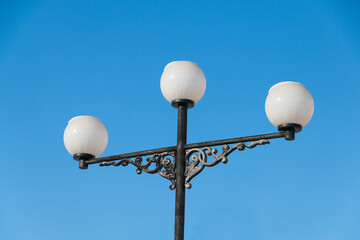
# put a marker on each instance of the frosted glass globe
(289, 102)
(183, 80)
(85, 134)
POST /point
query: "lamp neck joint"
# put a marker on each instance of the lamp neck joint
(182, 102)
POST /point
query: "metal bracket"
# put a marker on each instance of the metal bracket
(163, 165)
(197, 158)
(196, 161)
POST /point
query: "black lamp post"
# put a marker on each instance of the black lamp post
(289, 106)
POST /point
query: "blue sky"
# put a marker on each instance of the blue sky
(60, 59)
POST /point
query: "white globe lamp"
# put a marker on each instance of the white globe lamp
(183, 81)
(85, 138)
(289, 106)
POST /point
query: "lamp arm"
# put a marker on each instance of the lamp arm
(187, 146)
(163, 159)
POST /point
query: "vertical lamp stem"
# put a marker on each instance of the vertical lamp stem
(180, 172)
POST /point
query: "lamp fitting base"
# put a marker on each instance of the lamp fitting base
(82, 158)
(290, 129)
(182, 102)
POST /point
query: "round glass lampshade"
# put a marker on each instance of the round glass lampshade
(289, 103)
(85, 134)
(183, 80)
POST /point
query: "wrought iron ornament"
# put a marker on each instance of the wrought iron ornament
(195, 163)
(163, 165)
(196, 160)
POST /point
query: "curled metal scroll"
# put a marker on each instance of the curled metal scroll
(197, 158)
(162, 165)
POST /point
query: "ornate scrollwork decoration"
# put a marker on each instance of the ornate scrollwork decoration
(162, 165)
(197, 158)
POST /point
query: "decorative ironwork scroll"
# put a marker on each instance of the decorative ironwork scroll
(162, 165)
(197, 158)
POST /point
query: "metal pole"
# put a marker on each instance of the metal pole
(180, 172)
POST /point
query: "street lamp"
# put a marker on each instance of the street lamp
(289, 106)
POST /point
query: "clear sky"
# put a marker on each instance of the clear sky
(62, 58)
